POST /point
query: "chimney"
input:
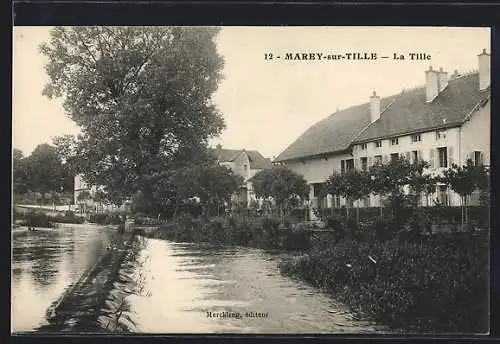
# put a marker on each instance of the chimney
(442, 79)
(484, 70)
(431, 84)
(374, 107)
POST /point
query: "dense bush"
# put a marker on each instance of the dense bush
(68, 217)
(38, 220)
(438, 214)
(440, 284)
(106, 219)
(266, 233)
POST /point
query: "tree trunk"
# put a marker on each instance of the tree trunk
(466, 210)
(357, 213)
(176, 207)
(462, 201)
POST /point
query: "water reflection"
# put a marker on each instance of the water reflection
(45, 263)
(184, 282)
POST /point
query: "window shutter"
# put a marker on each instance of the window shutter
(451, 157)
(482, 158)
(385, 159)
(356, 163)
(432, 158)
(370, 161)
(419, 155)
(408, 156)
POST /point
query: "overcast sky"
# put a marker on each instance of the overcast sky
(267, 104)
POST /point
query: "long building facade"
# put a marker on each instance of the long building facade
(444, 122)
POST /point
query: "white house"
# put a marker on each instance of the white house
(245, 163)
(445, 121)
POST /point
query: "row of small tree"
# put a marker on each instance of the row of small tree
(392, 178)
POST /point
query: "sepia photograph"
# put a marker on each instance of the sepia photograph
(250, 180)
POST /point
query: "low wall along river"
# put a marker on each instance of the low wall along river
(66, 280)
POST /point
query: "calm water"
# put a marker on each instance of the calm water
(179, 284)
(182, 282)
(45, 263)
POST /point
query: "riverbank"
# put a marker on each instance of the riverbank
(440, 285)
(264, 233)
(84, 306)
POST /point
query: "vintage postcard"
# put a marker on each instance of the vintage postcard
(251, 180)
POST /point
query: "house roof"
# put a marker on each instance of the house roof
(400, 114)
(257, 160)
(332, 134)
(411, 113)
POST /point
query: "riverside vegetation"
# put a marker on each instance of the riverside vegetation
(410, 279)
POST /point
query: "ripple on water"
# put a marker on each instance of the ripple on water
(179, 294)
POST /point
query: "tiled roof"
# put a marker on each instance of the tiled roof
(401, 113)
(257, 161)
(411, 113)
(332, 134)
(226, 155)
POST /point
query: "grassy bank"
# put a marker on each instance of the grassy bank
(438, 285)
(265, 233)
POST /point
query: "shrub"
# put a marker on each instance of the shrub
(106, 219)
(440, 285)
(38, 220)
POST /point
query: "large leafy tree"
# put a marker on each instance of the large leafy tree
(141, 97)
(45, 171)
(19, 172)
(281, 184)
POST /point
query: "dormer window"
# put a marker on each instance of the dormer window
(364, 146)
(416, 138)
(394, 142)
(440, 135)
(378, 144)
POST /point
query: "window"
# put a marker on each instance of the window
(245, 167)
(440, 135)
(414, 156)
(349, 164)
(478, 158)
(443, 195)
(336, 201)
(416, 138)
(364, 163)
(443, 157)
(342, 166)
(378, 159)
(364, 146)
(378, 144)
(366, 202)
(394, 142)
(394, 157)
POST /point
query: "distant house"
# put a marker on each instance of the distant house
(89, 204)
(245, 163)
(446, 121)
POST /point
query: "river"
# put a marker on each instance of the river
(184, 288)
(45, 263)
(192, 288)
